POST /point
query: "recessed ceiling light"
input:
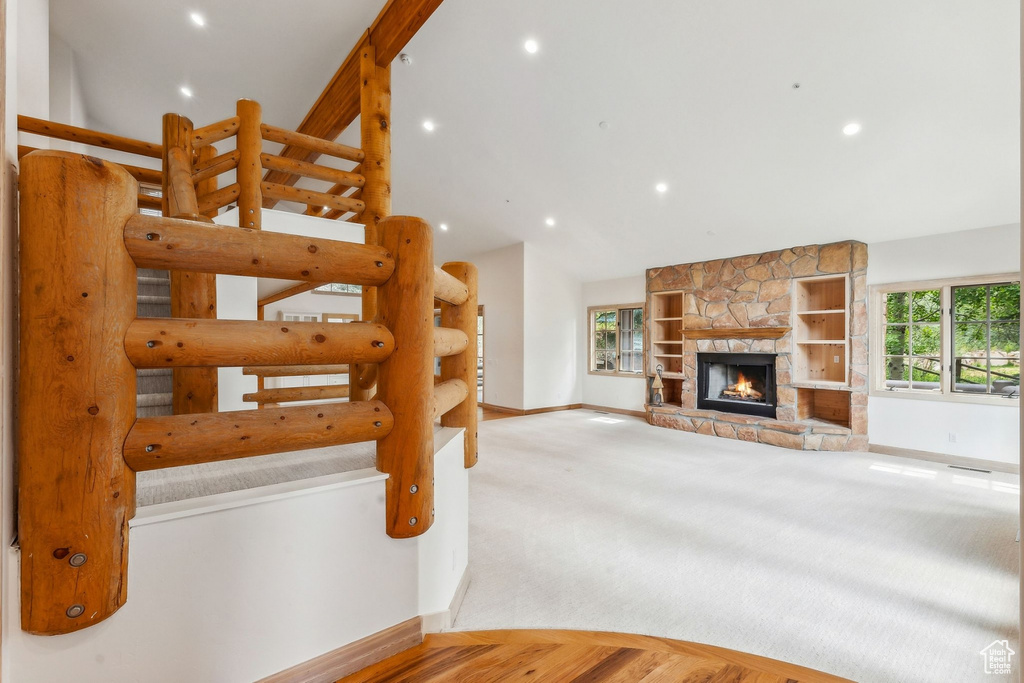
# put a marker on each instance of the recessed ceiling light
(197, 19)
(531, 46)
(186, 91)
(444, 227)
(661, 187)
(550, 222)
(428, 126)
(851, 128)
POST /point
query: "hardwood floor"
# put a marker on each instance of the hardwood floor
(483, 413)
(491, 656)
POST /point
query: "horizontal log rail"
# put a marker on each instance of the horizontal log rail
(448, 289)
(308, 142)
(288, 293)
(448, 394)
(294, 370)
(214, 166)
(195, 343)
(301, 196)
(449, 342)
(83, 136)
(181, 198)
(170, 244)
(218, 199)
(292, 394)
(215, 132)
(151, 176)
(341, 179)
(172, 441)
(148, 201)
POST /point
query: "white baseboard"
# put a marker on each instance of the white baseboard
(978, 463)
(439, 622)
(348, 659)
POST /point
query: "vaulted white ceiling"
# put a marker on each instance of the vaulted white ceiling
(698, 94)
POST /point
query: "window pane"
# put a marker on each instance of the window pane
(927, 306)
(610, 359)
(638, 362)
(970, 374)
(926, 373)
(896, 307)
(925, 340)
(1005, 376)
(638, 342)
(627, 360)
(604, 340)
(897, 372)
(599, 361)
(638, 318)
(1005, 340)
(626, 316)
(969, 339)
(1005, 301)
(897, 340)
(969, 303)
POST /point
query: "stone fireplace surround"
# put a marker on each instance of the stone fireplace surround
(755, 291)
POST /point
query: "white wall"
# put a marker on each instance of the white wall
(236, 300)
(500, 292)
(623, 393)
(551, 373)
(235, 587)
(66, 102)
(982, 431)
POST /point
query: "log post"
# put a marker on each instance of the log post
(406, 378)
(375, 134)
(464, 365)
(76, 390)
(193, 295)
(250, 170)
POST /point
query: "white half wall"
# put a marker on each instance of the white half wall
(500, 292)
(622, 393)
(551, 375)
(236, 587)
(987, 432)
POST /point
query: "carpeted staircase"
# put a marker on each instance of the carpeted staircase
(154, 386)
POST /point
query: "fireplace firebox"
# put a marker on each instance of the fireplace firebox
(737, 383)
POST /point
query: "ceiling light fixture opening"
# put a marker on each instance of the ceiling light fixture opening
(662, 188)
(531, 46)
(197, 19)
(186, 91)
(444, 227)
(550, 222)
(851, 128)
(428, 126)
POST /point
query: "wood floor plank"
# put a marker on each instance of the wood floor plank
(605, 669)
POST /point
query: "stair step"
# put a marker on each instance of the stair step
(152, 400)
(150, 280)
(152, 299)
(155, 372)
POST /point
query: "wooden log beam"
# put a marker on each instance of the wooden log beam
(294, 370)
(171, 244)
(173, 342)
(311, 143)
(448, 289)
(288, 293)
(301, 196)
(214, 166)
(62, 131)
(249, 143)
(148, 201)
(341, 179)
(215, 132)
(448, 394)
(339, 103)
(292, 394)
(159, 442)
(152, 176)
(218, 199)
(406, 378)
(464, 365)
(449, 342)
(76, 390)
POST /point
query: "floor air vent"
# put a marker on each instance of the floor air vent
(970, 469)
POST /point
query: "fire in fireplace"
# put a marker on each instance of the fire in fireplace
(737, 382)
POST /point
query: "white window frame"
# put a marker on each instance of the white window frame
(876, 331)
(591, 339)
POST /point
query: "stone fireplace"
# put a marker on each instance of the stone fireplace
(804, 308)
(742, 383)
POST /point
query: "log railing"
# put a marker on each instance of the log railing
(80, 442)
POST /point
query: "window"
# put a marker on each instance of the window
(617, 339)
(951, 339)
(338, 288)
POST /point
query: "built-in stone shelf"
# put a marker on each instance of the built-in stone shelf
(738, 333)
(806, 435)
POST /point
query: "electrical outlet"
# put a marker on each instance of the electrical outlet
(835, 359)
(952, 437)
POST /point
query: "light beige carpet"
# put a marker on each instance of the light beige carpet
(876, 568)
